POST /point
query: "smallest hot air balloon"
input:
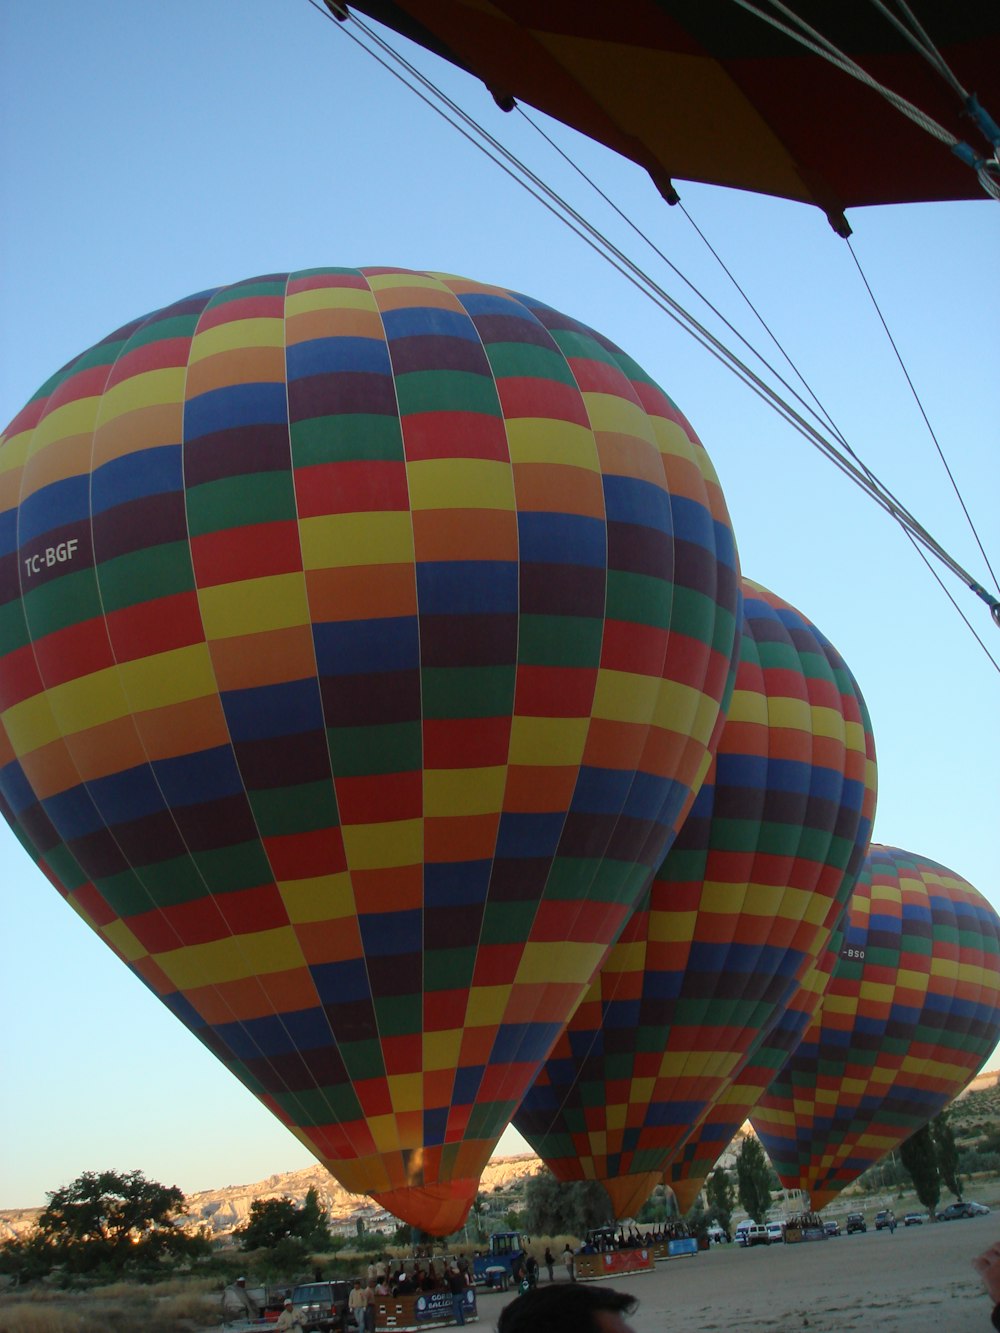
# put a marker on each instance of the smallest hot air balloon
(911, 1014)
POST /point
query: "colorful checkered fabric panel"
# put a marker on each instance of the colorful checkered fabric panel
(911, 1013)
(742, 907)
(364, 637)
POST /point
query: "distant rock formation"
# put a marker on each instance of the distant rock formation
(223, 1210)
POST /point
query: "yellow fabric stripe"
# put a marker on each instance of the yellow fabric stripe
(340, 541)
(537, 440)
(150, 389)
(254, 606)
(321, 898)
(545, 962)
(463, 791)
(232, 959)
(261, 331)
(460, 483)
(382, 846)
(548, 741)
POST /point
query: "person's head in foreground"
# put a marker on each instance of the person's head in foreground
(568, 1307)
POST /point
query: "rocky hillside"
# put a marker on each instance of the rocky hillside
(222, 1210)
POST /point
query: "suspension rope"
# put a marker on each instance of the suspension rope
(820, 411)
(923, 413)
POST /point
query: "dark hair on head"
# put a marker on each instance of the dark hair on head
(563, 1307)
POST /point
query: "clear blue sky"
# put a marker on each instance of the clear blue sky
(148, 151)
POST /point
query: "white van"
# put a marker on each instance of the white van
(749, 1232)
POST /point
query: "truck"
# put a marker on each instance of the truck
(495, 1267)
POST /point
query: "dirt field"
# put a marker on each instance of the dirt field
(919, 1280)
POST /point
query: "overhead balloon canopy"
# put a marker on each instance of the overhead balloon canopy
(741, 907)
(717, 93)
(911, 1013)
(364, 638)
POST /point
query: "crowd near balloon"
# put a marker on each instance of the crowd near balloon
(379, 680)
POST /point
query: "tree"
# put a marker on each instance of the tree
(721, 1197)
(657, 1208)
(110, 1220)
(753, 1179)
(947, 1153)
(314, 1223)
(552, 1208)
(920, 1159)
(481, 1204)
(272, 1221)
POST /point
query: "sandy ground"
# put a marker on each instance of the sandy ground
(919, 1280)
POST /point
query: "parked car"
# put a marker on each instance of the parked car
(969, 1209)
(322, 1306)
(914, 1219)
(775, 1232)
(716, 1235)
(832, 1227)
(855, 1222)
(752, 1233)
(885, 1218)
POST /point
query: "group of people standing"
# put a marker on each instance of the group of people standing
(524, 1268)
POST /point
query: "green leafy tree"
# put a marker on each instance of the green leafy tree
(314, 1223)
(920, 1159)
(753, 1179)
(272, 1221)
(112, 1221)
(552, 1208)
(369, 1242)
(947, 1153)
(721, 1197)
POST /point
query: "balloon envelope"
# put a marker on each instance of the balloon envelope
(691, 1165)
(743, 903)
(911, 1013)
(714, 93)
(364, 634)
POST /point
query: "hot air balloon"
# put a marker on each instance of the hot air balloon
(692, 1163)
(741, 907)
(911, 1013)
(831, 105)
(364, 637)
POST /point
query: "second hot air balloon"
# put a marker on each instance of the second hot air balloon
(742, 905)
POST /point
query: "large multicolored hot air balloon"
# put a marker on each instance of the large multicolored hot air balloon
(364, 636)
(911, 1013)
(741, 907)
